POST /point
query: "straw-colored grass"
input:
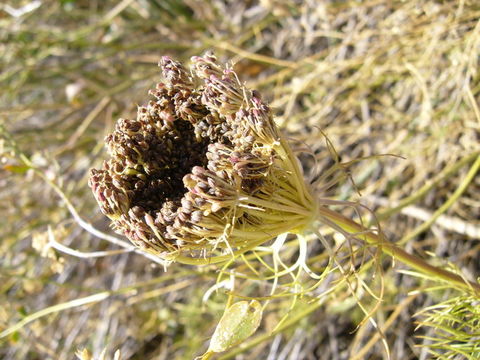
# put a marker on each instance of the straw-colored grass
(377, 77)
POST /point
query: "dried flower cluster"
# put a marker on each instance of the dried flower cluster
(202, 168)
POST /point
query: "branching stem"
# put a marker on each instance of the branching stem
(397, 252)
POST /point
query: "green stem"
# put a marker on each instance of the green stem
(445, 174)
(458, 192)
(266, 204)
(397, 252)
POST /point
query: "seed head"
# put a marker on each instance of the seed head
(203, 169)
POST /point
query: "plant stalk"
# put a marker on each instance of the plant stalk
(398, 253)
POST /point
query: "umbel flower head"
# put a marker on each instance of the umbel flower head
(202, 172)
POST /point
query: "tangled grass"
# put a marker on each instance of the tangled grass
(377, 77)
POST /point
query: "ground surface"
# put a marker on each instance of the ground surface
(378, 77)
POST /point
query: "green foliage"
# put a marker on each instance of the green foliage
(453, 328)
(239, 321)
(379, 77)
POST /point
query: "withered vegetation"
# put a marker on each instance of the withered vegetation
(377, 77)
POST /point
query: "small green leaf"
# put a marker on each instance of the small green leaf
(18, 169)
(15, 337)
(237, 323)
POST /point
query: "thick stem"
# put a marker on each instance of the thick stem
(397, 252)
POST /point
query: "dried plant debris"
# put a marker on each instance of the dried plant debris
(378, 77)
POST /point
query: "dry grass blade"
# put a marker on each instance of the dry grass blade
(377, 77)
